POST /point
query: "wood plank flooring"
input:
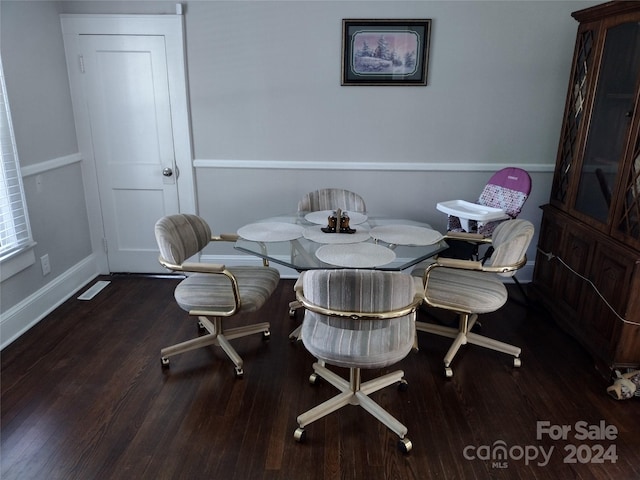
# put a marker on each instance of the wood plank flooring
(84, 397)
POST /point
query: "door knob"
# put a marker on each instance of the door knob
(167, 172)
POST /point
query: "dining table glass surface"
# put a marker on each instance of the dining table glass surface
(300, 241)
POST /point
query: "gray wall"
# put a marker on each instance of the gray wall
(265, 83)
(267, 103)
(270, 120)
(40, 102)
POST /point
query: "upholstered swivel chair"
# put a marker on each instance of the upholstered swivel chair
(326, 199)
(211, 292)
(470, 288)
(357, 319)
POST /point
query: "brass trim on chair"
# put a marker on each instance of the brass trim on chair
(213, 269)
(407, 310)
(474, 265)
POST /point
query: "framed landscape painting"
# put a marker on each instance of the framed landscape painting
(385, 52)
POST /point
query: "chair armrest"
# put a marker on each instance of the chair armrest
(469, 237)
(197, 267)
(213, 269)
(225, 237)
(456, 263)
(453, 263)
(506, 268)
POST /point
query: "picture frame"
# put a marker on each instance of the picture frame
(385, 52)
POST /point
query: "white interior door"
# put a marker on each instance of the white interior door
(127, 94)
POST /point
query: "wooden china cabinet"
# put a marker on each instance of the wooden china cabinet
(592, 222)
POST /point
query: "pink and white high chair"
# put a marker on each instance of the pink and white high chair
(501, 199)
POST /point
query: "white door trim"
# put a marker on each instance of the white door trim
(172, 28)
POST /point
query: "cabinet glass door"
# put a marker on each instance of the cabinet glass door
(573, 114)
(629, 222)
(610, 120)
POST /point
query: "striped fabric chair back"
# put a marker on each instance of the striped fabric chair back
(331, 199)
(181, 236)
(510, 242)
(364, 343)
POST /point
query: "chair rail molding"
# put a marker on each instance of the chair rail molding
(45, 166)
(366, 166)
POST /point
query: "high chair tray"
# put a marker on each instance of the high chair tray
(471, 211)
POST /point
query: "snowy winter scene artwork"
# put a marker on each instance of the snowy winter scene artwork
(385, 52)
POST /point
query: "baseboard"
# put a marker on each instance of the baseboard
(21, 317)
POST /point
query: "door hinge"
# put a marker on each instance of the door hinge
(104, 245)
(81, 63)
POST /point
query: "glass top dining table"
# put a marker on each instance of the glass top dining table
(297, 241)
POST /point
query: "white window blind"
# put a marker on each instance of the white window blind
(15, 232)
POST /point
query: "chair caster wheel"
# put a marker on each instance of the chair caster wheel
(239, 372)
(164, 361)
(292, 313)
(405, 445)
(517, 362)
(266, 335)
(448, 372)
(403, 385)
(300, 435)
(313, 378)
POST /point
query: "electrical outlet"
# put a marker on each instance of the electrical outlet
(44, 263)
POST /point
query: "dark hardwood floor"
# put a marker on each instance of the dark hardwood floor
(84, 397)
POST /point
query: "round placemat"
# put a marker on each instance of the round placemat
(356, 255)
(270, 231)
(405, 235)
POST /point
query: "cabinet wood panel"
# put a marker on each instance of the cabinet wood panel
(587, 269)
